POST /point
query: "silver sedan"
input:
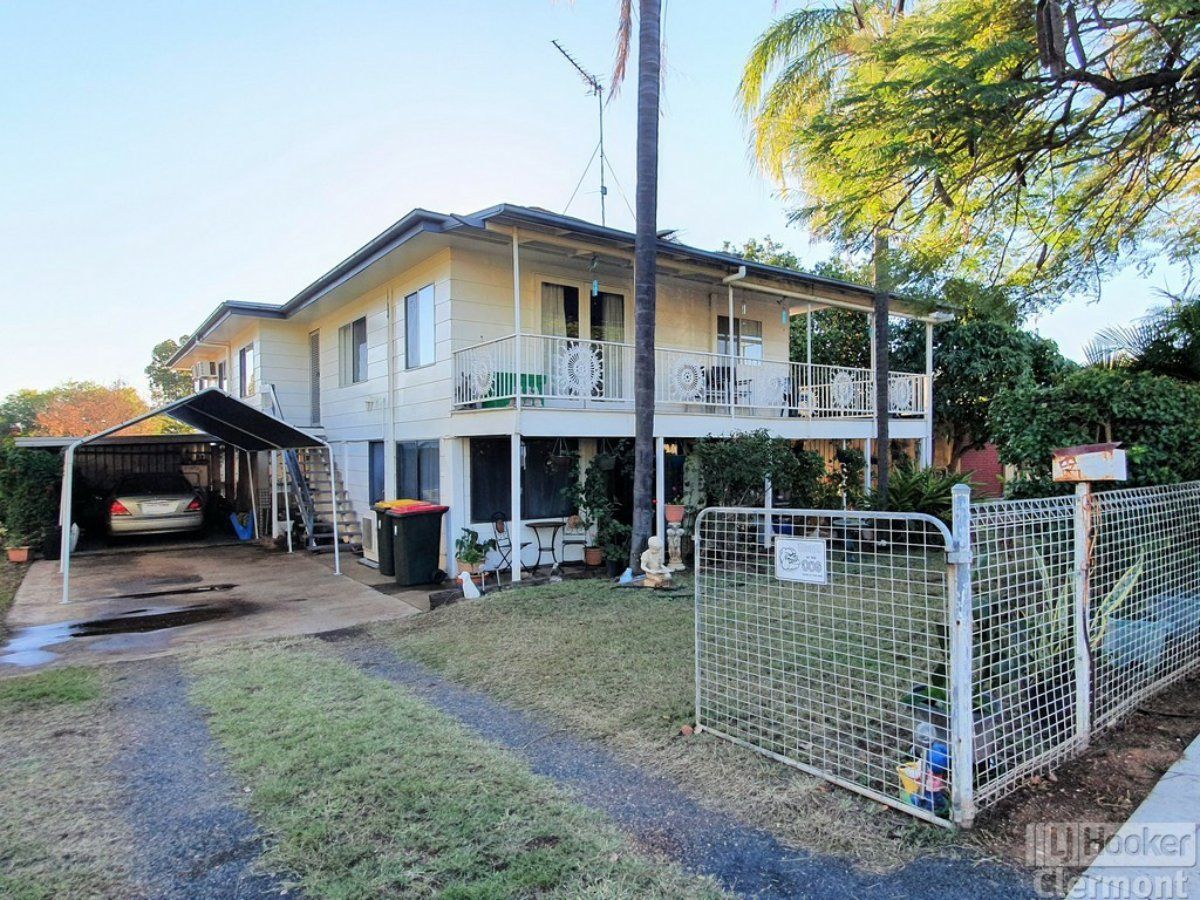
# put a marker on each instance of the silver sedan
(150, 503)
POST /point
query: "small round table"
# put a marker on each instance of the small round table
(554, 526)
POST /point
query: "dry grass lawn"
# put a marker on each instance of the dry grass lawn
(61, 830)
(367, 791)
(618, 666)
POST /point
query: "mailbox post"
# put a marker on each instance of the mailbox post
(1081, 466)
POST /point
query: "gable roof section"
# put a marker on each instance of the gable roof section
(423, 221)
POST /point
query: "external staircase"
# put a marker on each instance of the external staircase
(313, 499)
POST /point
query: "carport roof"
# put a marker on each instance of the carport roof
(227, 419)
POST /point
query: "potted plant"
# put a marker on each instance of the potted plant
(472, 552)
(593, 503)
(16, 544)
(675, 511)
(614, 537)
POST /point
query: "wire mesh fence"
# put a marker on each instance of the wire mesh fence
(1025, 633)
(937, 670)
(822, 639)
(1143, 593)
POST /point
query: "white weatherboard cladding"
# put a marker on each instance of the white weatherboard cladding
(473, 302)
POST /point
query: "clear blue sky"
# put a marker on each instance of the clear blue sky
(156, 158)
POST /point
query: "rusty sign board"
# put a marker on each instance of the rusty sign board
(1090, 462)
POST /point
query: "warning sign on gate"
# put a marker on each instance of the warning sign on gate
(801, 559)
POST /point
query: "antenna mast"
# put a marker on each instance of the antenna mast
(596, 88)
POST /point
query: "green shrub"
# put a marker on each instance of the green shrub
(912, 489)
(29, 489)
(1154, 416)
(732, 471)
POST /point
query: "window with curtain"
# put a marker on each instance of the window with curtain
(747, 338)
(419, 341)
(491, 478)
(545, 472)
(352, 352)
(608, 317)
(544, 477)
(418, 470)
(560, 310)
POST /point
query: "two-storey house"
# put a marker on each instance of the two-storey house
(449, 358)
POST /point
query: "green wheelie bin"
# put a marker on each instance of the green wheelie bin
(385, 540)
(417, 546)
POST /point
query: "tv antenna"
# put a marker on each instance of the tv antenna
(597, 88)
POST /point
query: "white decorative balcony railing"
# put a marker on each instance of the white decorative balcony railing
(572, 373)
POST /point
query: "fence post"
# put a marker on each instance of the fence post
(962, 708)
(1083, 653)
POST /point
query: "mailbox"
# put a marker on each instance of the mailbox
(1090, 462)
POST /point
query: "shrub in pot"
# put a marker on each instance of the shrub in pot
(16, 544)
(614, 539)
(471, 552)
(595, 507)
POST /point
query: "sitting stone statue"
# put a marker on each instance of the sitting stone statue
(653, 565)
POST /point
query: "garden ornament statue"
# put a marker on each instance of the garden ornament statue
(655, 569)
(470, 591)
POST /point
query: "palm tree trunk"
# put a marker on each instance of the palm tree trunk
(883, 291)
(645, 248)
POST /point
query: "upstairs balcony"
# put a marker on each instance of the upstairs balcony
(570, 373)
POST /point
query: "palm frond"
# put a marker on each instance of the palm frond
(624, 46)
(1118, 344)
(794, 35)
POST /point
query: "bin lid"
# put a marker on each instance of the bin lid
(416, 510)
(385, 505)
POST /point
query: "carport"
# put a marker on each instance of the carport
(225, 418)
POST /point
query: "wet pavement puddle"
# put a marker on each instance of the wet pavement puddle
(27, 646)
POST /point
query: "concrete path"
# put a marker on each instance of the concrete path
(216, 595)
(1155, 852)
(192, 839)
(745, 860)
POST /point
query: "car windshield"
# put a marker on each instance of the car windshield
(154, 483)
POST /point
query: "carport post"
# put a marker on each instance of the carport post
(64, 517)
(253, 499)
(287, 504)
(333, 504)
(275, 493)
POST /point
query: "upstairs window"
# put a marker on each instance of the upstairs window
(608, 317)
(352, 352)
(246, 378)
(560, 310)
(419, 343)
(747, 338)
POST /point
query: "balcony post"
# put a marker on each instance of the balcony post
(517, 361)
(927, 440)
(660, 499)
(867, 457)
(808, 311)
(732, 348)
(516, 526)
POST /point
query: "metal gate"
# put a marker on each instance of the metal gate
(826, 640)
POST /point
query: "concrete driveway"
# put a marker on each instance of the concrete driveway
(137, 605)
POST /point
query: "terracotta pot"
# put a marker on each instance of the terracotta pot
(18, 554)
(593, 556)
(674, 513)
(473, 568)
